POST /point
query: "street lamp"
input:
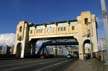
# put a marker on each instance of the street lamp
(105, 20)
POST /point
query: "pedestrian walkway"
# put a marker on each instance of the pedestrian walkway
(88, 65)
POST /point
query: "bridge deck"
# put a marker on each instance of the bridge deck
(88, 65)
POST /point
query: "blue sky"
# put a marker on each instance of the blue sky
(44, 11)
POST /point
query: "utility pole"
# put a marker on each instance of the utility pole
(105, 20)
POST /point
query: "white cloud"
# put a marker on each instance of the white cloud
(7, 39)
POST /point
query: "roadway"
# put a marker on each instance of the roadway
(51, 64)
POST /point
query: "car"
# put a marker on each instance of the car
(69, 56)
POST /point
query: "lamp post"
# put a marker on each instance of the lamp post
(105, 20)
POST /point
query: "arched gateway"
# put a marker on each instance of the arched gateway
(83, 28)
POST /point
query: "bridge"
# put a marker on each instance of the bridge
(83, 29)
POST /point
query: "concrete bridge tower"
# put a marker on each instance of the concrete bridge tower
(88, 33)
(21, 39)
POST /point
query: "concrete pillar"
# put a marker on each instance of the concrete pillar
(22, 51)
(56, 52)
(80, 41)
(81, 51)
(32, 46)
(24, 41)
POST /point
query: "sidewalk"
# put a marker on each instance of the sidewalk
(87, 65)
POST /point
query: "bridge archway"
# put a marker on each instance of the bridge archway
(67, 42)
(18, 52)
(87, 47)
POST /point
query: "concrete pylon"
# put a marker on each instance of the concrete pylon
(86, 19)
(21, 37)
(32, 46)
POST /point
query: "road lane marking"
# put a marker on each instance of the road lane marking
(18, 63)
(21, 63)
(51, 65)
(29, 65)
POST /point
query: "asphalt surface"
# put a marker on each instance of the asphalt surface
(88, 65)
(52, 64)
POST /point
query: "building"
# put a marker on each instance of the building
(83, 29)
(5, 50)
